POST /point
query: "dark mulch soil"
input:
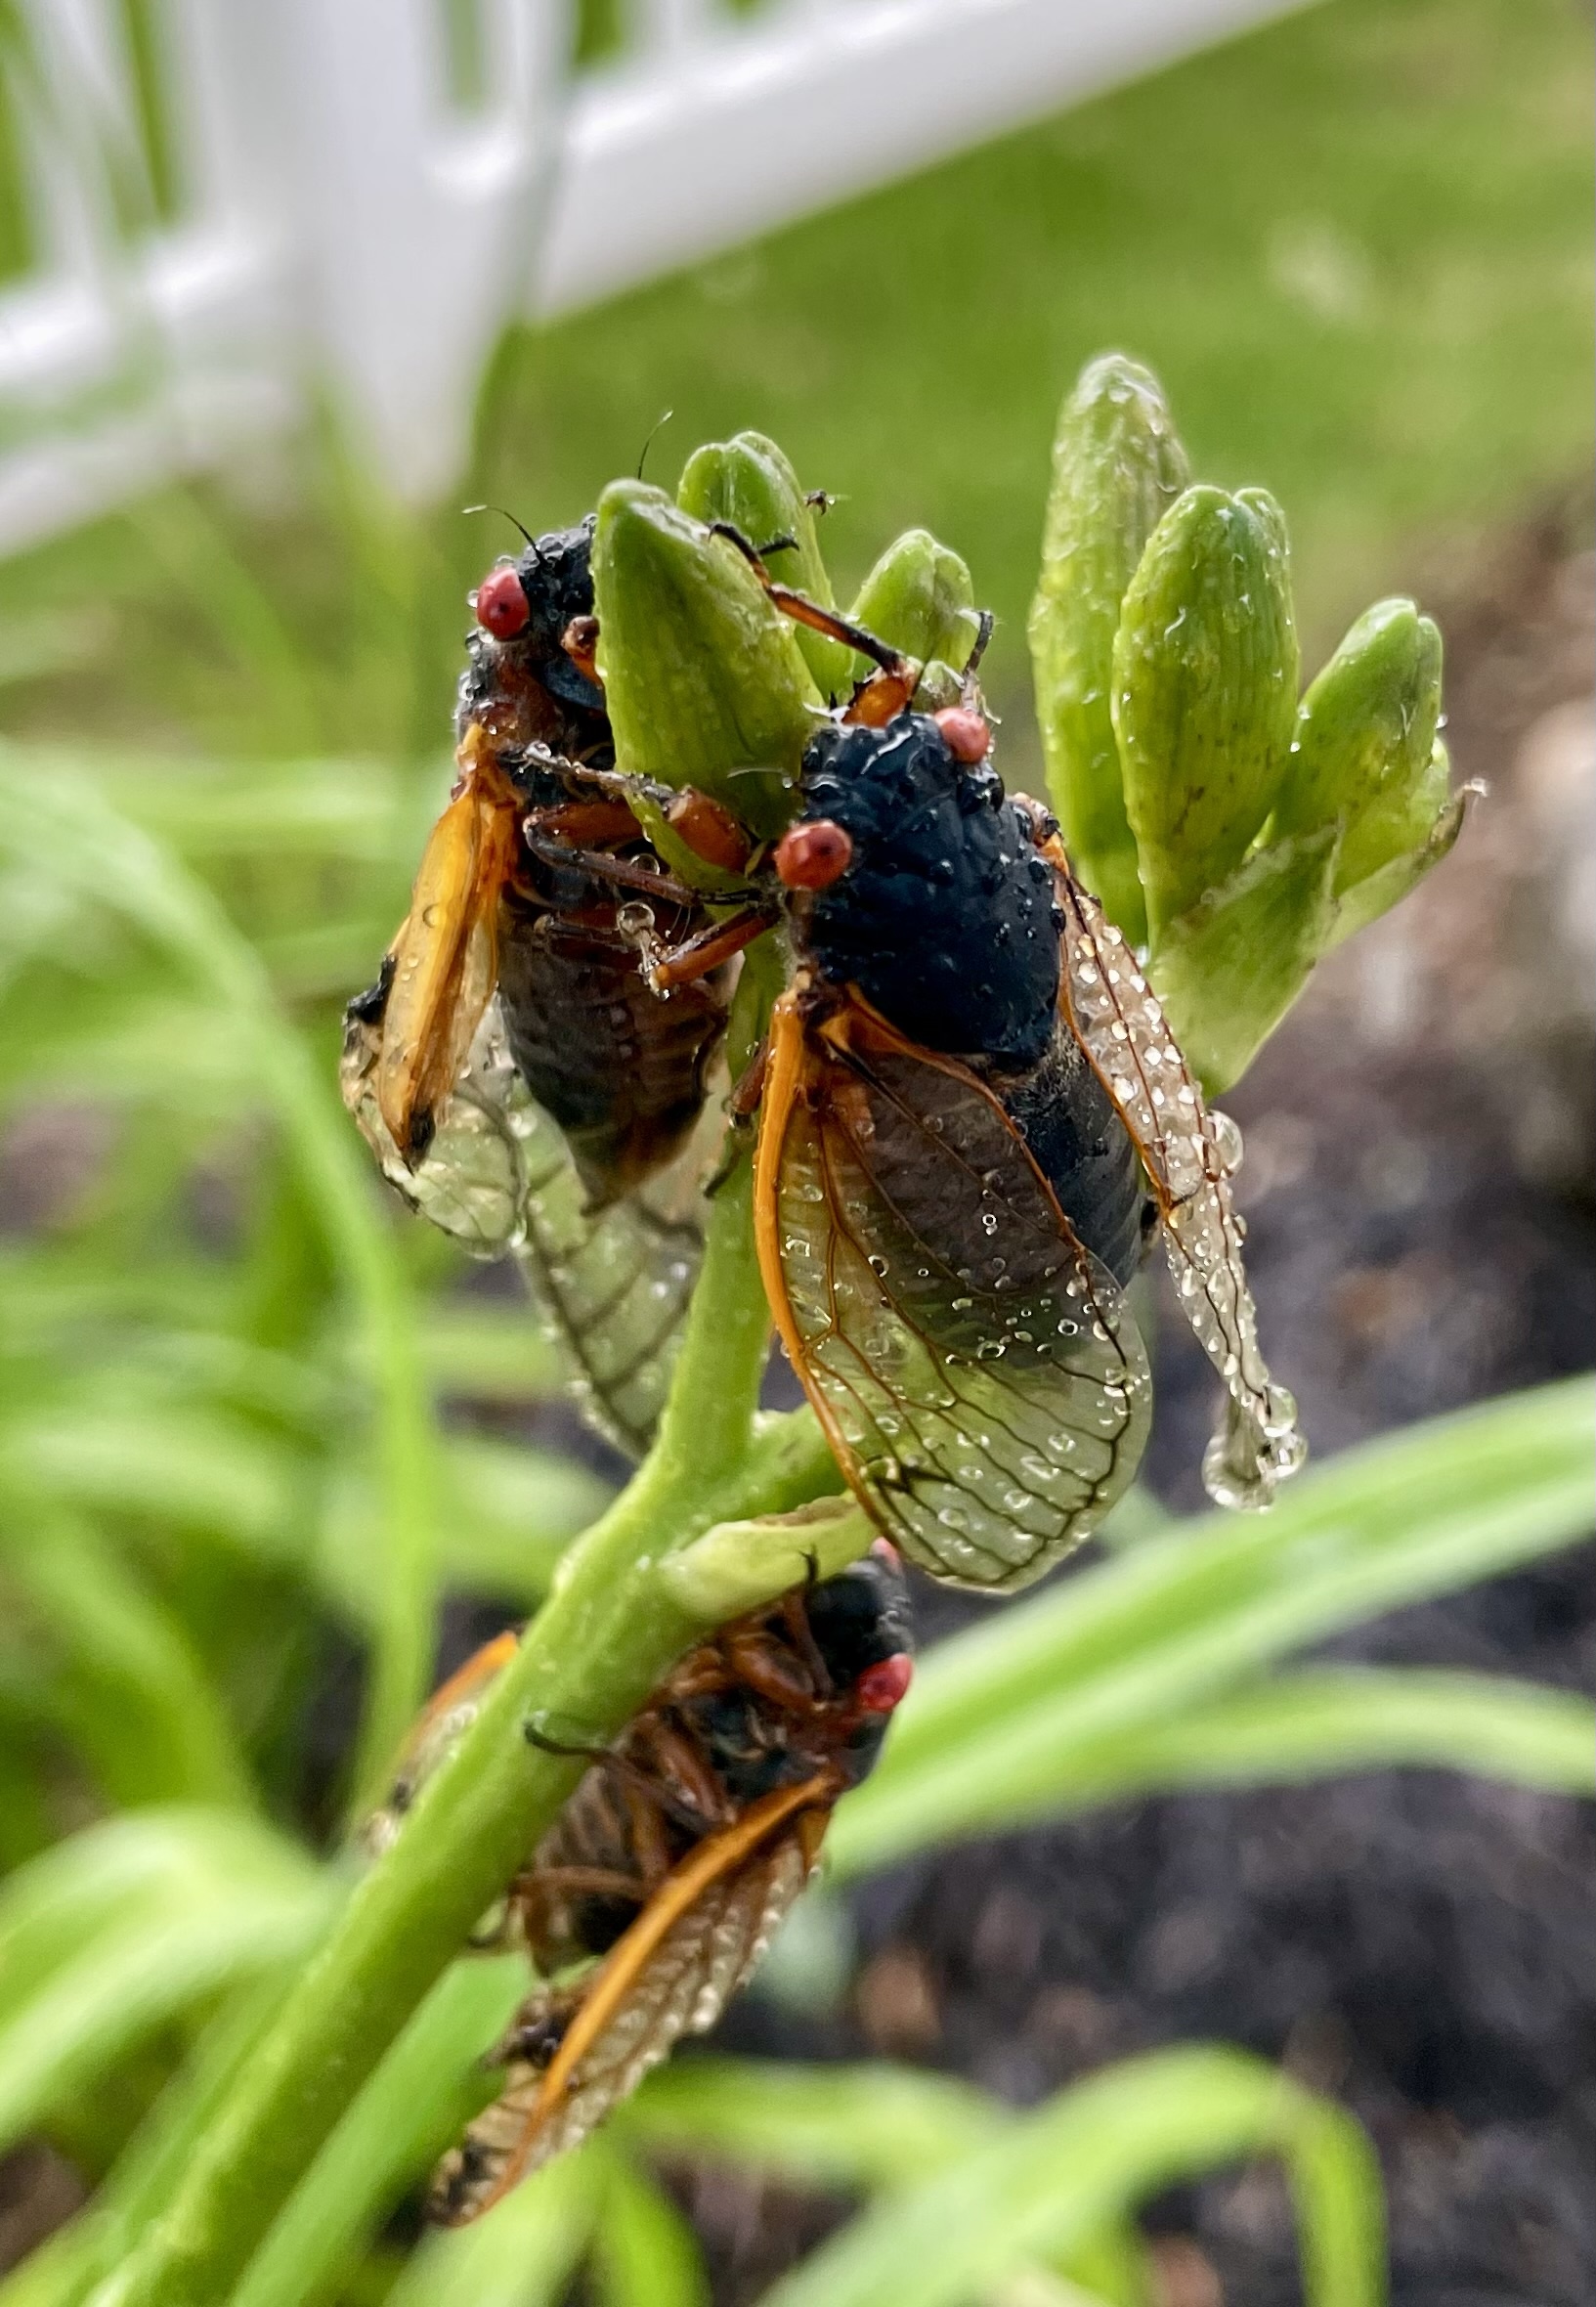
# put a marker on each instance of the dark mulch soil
(1422, 1235)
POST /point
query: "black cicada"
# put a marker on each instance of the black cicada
(513, 999)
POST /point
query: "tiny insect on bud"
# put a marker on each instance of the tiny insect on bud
(501, 604)
(879, 1688)
(580, 642)
(965, 732)
(811, 857)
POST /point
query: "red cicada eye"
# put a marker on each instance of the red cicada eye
(501, 605)
(812, 856)
(879, 1688)
(964, 732)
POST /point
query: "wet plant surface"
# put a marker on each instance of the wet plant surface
(1415, 1942)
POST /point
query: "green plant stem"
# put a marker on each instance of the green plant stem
(599, 1645)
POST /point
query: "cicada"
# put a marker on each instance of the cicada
(972, 1120)
(513, 998)
(650, 1900)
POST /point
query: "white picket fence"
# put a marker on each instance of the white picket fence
(345, 215)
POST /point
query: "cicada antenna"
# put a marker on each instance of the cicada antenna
(505, 514)
(654, 432)
(969, 688)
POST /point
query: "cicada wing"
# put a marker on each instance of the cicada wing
(438, 1730)
(671, 1974)
(974, 1368)
(1190, 1156)
(610, 1285)
(442, 966)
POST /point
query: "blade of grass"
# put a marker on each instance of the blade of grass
(66, 831)
(1053, 2179)
(645, 2254)
(1133, 1643)
(146, 1716)
(1310, 1725)
(1317, 1724)
(233, 1904)
(859, 2127)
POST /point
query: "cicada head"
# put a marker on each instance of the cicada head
(926, 889)
(525, 609)
(862, 1627)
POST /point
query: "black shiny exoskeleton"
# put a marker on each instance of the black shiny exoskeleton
(947, 922)
(528, 688)
(621, 1072)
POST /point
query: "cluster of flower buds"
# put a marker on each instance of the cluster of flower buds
(1234, 831)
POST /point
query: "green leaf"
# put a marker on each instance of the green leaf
(1364, 754)
(920, 598)
(1204, 691)
(1051, 2180)
(749, 482)
(110, 1935)
(196, 1467)
(420, 2099)
(703, 677)
(859, 2127)
(995, 1715)
(646, 2254)
(1228, 970)
(1117, 464)
(137, 1701)
(508, 1513)
(1320, 1723)
(62, 830)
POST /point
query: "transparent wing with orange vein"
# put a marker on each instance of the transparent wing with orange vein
(671, 1974)
(611, 1286)
(976, 1373)
(1190, 1156)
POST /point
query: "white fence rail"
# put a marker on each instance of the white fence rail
(226, 203)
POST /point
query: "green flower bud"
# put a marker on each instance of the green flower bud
(1379, 891)
(1117, 464)
(1227, 970)
(738, 1565)
(1367, 760)
(920, 598)
(1204, 691)
(702, 675)
(749, 482)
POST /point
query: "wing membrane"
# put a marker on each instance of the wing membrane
(974, 1369)
(671, 1974)
(443, 963)
(1190, 1156)
(610, 1285)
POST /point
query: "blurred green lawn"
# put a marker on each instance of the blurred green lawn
(1356, 245)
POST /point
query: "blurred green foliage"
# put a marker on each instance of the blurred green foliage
(232, 1386)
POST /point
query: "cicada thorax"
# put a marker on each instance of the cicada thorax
(676, 1856)
(946, 920)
